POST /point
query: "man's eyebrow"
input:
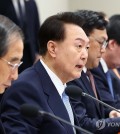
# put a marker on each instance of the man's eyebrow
(80, 39)
(13, 59)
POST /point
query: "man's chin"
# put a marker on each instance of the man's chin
(78, 75)
(96, 65)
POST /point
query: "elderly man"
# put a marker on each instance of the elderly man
(11, 52)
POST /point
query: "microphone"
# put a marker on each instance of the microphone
(30, 110)
(75, 92)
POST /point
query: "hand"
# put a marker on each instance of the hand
(114, 114)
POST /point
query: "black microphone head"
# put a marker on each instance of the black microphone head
(73, 91)
(29, 110)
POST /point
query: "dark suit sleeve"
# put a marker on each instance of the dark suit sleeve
(116, 87)
(103, 87)
(104, 93)
(2, 131)
(88, 116)
(13, 121)
(93, 124)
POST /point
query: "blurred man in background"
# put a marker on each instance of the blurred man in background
(90, 112)
(105, 77)
(25, 14)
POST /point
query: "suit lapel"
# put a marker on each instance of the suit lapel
(86, 84)
(54, 100)
(56, 104)
(88, 89)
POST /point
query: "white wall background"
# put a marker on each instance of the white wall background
(50, 7)
(110, 7)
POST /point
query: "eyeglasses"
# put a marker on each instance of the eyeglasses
(14, 66)
(102, 44)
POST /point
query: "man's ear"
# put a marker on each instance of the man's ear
(51, 46)
(111, 44)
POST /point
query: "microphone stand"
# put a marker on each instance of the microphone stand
(101, 102)
(34, 111)
(64, 121)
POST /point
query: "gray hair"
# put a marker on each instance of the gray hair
(8, 31)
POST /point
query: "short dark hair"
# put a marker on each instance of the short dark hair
(92, 20)
(53, 28)
(8, 29)
(113, 28)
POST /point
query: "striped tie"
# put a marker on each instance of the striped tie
(89, 74)
(66, 102)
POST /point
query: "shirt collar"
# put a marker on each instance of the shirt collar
(56, 81)
(104, 65)
(84, 69)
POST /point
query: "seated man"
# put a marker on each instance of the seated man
(104, 76)
(61, 38)
(89, 112)
(11, 52)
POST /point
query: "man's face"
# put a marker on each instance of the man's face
(116, 56)
(112, 55)
(97, 38)
(13, 56)
(71, 54)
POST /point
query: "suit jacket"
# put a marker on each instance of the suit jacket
(2, 131)
(116, 85)
(34, 86)
(1, 95)
(88, 111)
(30, 28)
(101, 81)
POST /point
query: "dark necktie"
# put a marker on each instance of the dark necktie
(91, 78)
(21, 14)
(109, 80)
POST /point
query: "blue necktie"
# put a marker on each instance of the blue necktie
(66, 102)
(109, 80)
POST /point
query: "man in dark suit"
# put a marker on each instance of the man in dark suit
(11, 52)
(109, 61)
(61, 38)
(2, 131)
(91, 114)
(102, 84)
(29, 22)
